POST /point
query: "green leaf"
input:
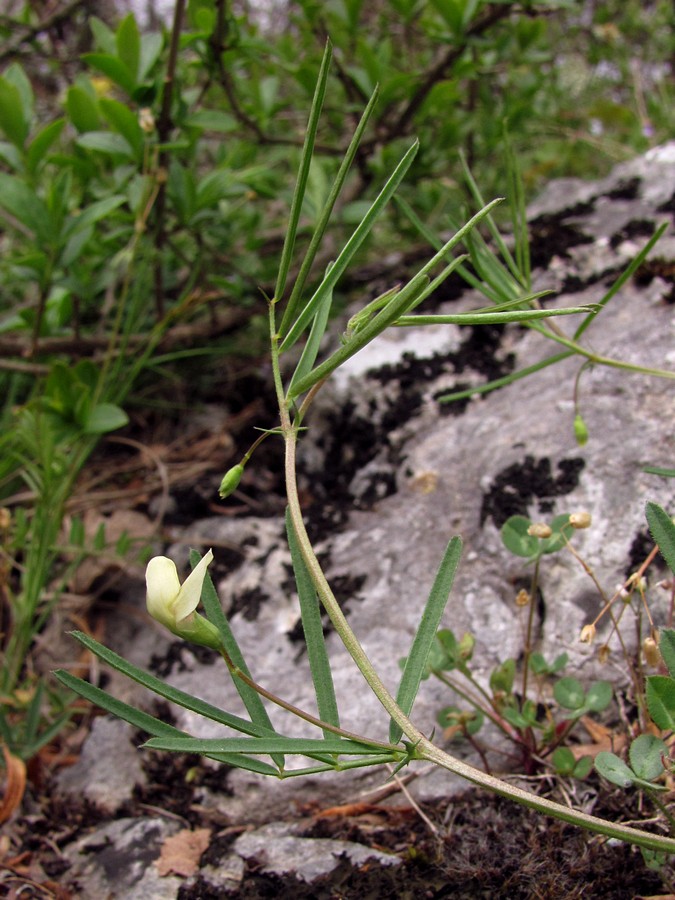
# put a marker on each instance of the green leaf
(211, 120)
(105, 417)
(569, 693)
(426, 633)
(313, 343)
(663, 531)
(353, 244)
(324, 218)
(502, 678)
(105, 142)
(99, 209)
(82, 109)
(266, 745)
(40, 145)
(174, 695)
(563, 761)
(303, 174)
(462, 722)
(660, 695)
(646, 756)
(614, 769)
(113, 68)
(516, 539)
(151, 47)
(598, 696)
(128, 44)
(12, 118)
(148, 723)
(667, 649)
(310, 611)
(22, 202)
(583, 767)
(125, 122)
(103, 35)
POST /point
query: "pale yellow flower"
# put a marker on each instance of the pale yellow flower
(175, 604)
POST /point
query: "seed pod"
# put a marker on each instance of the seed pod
(650, 650)
(540, 530)
(587, 635)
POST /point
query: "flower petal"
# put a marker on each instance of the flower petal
(163, 587)
(191, 590)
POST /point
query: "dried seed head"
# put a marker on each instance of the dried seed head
(522, 598)
(587, 635)
(580, 520)
(603, 653)
(539, 530)
(651, 653)
(5, 518)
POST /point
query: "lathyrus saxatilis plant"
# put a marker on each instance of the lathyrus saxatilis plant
(297, 313)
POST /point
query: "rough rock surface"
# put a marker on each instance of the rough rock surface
(415, 472)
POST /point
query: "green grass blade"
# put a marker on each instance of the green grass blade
(317, 236)
(150, 724)
(174, 695)
(359, 235)
(506, 379)
(311, 349)
(310, 611)
(663, 531)
(212, 608)
(622, 279)
(265, 746)
(303, 173)
(426, 632)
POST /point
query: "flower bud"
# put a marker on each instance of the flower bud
(580, 430)
(174, 605)
(540, 530)
(580, 520)
(230, 481)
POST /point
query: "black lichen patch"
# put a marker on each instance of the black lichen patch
(626, 189)
(551, 236)
(175, 659)
(248, 603)
(353, 437)
(658, 267)
(640, 548)
(345, 588)
(634, 228)
(517, 486)
(668, 206)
